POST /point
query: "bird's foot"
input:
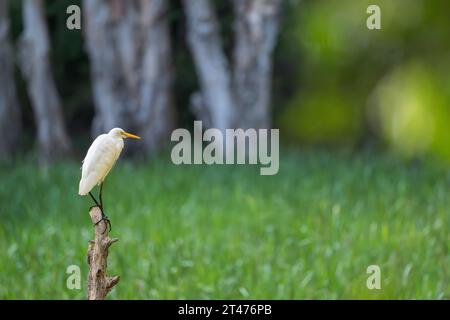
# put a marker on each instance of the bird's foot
(106, 219)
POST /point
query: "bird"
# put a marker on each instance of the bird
(100, 159)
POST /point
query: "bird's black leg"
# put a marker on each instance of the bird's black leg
(95, 200)
(100, 196)
(104, 216)
(101, 209)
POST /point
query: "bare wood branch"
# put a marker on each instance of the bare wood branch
(99, 284)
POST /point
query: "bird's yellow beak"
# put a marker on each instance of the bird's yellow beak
(132, 136)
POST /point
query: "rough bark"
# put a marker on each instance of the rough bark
(216, 104)
(237, 95)
(256, 29)
(129, 48)
(99, 284)
(10, 125)
(35, 65)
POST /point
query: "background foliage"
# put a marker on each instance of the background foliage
(328, 74)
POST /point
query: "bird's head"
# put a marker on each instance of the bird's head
(120, 133)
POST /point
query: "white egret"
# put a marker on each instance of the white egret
(99, 160)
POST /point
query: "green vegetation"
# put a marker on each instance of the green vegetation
(339, 83)
(227, 232)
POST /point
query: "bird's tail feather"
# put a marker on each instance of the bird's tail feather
(86, 185)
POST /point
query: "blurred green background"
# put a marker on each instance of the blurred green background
(348, 84)
(335, 81)
(364, 173)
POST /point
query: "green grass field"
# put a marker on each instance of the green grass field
(224, 232)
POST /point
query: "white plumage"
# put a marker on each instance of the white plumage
(100, 158)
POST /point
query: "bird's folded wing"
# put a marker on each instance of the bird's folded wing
(99, 160)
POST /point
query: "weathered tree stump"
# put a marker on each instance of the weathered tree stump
(99, 284)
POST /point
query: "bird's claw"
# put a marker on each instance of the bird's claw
(108, 222)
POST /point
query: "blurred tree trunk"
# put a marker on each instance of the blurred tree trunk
(256, 30)
(10, 125)
(35, 65)
(129, 48)
(236, 96)
(215, 106)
